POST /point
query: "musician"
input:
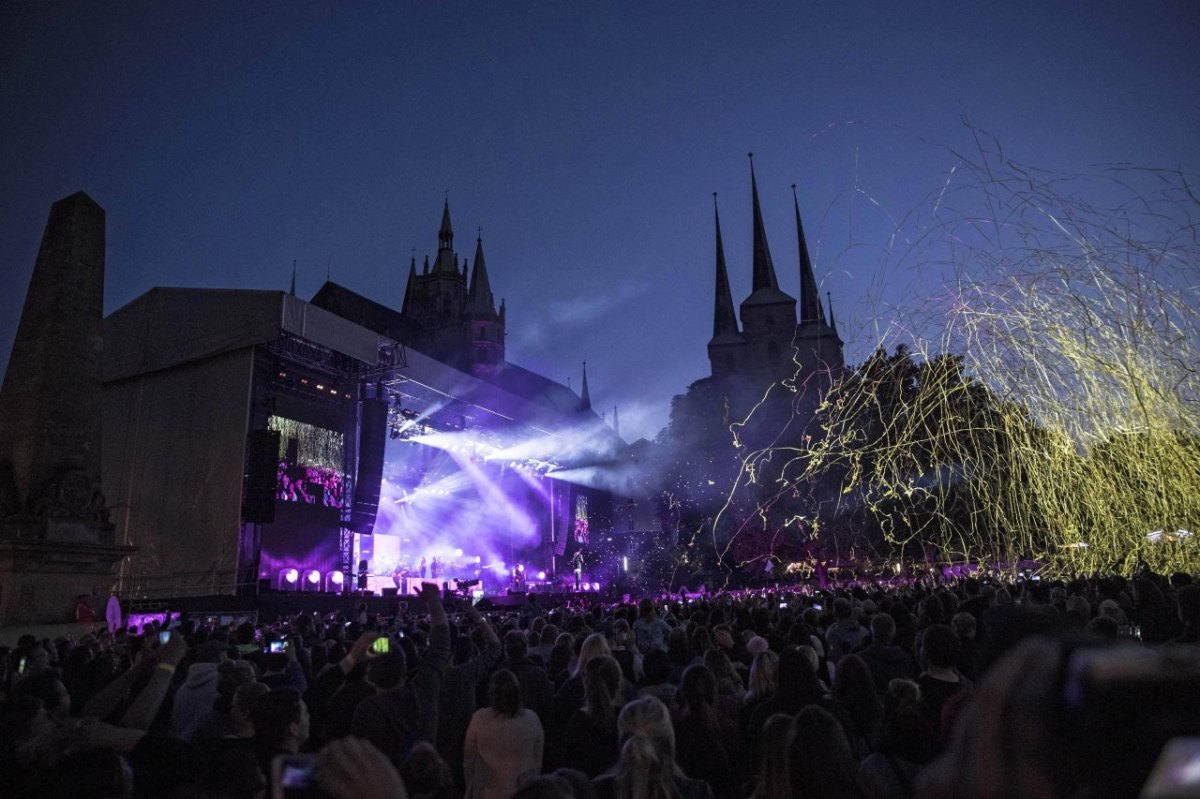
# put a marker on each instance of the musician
(424, 567)
(577, 565)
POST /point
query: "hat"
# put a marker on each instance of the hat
(211, 651)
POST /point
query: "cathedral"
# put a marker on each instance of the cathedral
(456, 316)
(771, 343)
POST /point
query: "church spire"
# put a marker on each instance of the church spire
(616, 423)
(406, 307)
(764, 269)
(585, 399)
(479, 300)
(724, 318)
(446, 233)
(810, 300)
(292, 291)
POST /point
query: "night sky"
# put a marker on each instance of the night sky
(226, 140)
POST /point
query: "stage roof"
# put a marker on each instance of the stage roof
(166, 327)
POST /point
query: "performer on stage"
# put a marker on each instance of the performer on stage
(577, 564)
(424, 567)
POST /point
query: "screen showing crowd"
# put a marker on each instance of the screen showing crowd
(311, 464)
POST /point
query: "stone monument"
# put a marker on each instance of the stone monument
(56, 540)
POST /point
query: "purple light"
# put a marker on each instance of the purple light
(541, 575)
(336, 578)
(314, 577)
(291, 575)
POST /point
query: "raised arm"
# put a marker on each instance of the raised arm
(141, 713)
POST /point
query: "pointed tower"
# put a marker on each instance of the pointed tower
(406, 307)
(768, 314)
(810, 300)
(437, 299)
(585, 399)
(483, 327)
(726, 344)
(292, 290)
(616, 423)
(818, 348)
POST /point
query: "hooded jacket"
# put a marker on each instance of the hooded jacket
(195, 696)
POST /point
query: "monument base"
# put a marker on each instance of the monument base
(40, 579)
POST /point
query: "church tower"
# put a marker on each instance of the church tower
(818, 347)
(457, 318)
(768, 314)
(483, 327)
(726, 348)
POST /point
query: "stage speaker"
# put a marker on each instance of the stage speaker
(262, 462)
(372, 436)
(390, 591)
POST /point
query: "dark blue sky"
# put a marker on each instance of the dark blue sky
(227, 139)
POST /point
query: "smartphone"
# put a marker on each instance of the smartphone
(277, 646)
(818, 607)
(163, 637)
(783, 606)
(21, 666)
(295, 777)
(381, 646)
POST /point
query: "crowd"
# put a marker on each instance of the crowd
(978, 689)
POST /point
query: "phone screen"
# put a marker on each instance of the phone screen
(295, 777)
(21, 666)
(164, 636)
(381, 646)
(277, 646)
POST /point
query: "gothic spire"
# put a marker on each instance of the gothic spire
(764, 269)
(408, 287)
(446, 233)
(810, 300)
(724, 318)
(585, 399)
(479, 300)
(293, 289)
(616, 422)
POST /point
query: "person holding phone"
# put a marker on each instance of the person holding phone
(404, 709)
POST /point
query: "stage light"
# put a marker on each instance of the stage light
(520, 568)
(291, 575)
(337, 578)
(314, 576)
(478, 560)
(458, 553)
(541, 575)
(625, 563)
(596, 586)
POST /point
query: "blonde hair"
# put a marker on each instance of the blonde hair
(595, 645)
(764, 673)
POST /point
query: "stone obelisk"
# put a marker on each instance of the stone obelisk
(55, 537)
